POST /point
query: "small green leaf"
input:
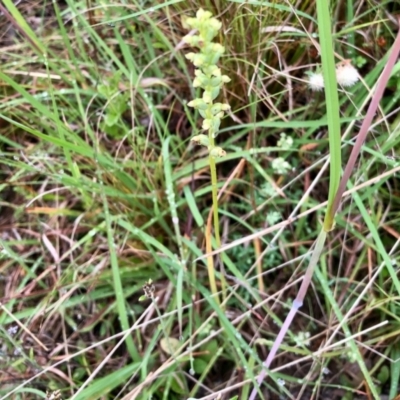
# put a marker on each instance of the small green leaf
(170, 345)
(199, 365)
(111, 119)
(383, 375)
(105, 90)
(210, 350)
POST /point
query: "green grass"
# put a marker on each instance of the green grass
(97, 162)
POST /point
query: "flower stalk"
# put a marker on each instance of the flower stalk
(210, 79)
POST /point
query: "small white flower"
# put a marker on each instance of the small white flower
(285, 142)
(12, 330)
(316, 82)
(280, 382)
(302, 339)
(349, 354)
(280, 166)
(267, 190)
(346, 74)
(326, 371)
(4, 253)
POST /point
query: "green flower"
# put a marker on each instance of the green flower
(208, 76)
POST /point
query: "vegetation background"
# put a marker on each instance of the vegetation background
(103, 294)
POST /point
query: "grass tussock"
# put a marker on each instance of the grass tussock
(106, 204)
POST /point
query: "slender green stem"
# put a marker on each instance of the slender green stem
(214, 183)
(214, 186)
(210, 261)
(215, 218)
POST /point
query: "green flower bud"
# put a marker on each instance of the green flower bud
(218, 48)
(206, 124)
(196, 83)
(215, 124)
(215, 24)
(192, 22)
(201, 139)
(215, 71)
(203, 15)
(215, 92)
(212, 70)
(225, 107)
(212, 53)
(193, 40)
(216, 81)
(213, 58)
(207, 96)
(199, 60)
(217, 152)
(208, 34)
(203, 113)
(201, 80)
(216, 108)
(190, 56)
(198, 104)
(219, 107)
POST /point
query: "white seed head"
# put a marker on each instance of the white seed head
(316, 82)
(346, 75)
